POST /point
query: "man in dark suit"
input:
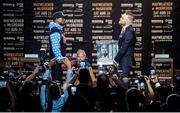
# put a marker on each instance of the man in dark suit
(126, 44)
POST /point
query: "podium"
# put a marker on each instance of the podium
(164, 70)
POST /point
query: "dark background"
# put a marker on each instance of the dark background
(32, 46)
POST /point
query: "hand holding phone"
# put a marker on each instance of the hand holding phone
(73, 90)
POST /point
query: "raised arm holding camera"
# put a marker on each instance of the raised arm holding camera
(56, 98)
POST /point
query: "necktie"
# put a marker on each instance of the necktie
(121, 34)
(122, 30)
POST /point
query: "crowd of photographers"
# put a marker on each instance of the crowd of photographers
(81, 90)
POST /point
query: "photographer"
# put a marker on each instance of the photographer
(52, 99)
(150, 89)
(33, 74)
(144, 85)
(28, 100)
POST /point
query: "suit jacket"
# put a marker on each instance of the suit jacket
(126, 44)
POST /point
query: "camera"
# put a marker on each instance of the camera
(134, 82)
(82, 64)
(110, 69)
(39, 80)
(76, 64)
(106, 69)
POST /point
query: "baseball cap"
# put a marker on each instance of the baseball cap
(58, 14)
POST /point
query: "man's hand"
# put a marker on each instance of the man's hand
(67, 63)
(115, 63)
(60, 59)
(147, 79)
(50, 63)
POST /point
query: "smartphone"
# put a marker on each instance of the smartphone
(3, 84)
(142, 86)
(152, 72)
(142, 83)
(73, 90)
(42, 54)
